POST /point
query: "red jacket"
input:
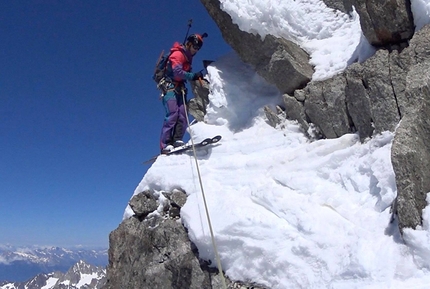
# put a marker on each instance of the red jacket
(180, 61)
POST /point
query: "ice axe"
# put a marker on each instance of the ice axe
(206, 63)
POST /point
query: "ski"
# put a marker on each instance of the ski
(203, 143)
(186, 147)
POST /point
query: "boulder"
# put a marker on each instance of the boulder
(280, 62)
(384, 23)
(154, 251)
(411, 150)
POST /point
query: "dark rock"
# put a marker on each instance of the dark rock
(411, 150)
(277, 60)
(197, 105)
(358, 102)
(155, 252)
(163, 257)
(178, 198)
(344, 6)
(143, 204)
(295, 109)
(325, 106)
(378, 84)
(384, 23)
(272, 117)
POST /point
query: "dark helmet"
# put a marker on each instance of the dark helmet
(197, 39)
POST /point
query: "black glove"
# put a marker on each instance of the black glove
(197, 75)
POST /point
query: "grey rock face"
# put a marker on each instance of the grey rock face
(197, 105)
(357, 102)
(280, 62)
(273, 118)
(366, 98)
(379, 88)
(383, 23)
(155, 251)
(143, 204)
(411, 149)
(342, 5)
(373, 97)
(325, 105)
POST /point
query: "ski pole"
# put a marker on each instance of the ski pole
(188, 30)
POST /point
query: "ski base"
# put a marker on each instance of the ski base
(203, 143)
(187, 147)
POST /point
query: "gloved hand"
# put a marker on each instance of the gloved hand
(197, 75)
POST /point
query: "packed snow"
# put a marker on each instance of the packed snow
(50, 283)
(333, 39)
(86, 279)
(288, 211)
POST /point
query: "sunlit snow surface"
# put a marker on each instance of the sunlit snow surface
(333, 39)
(288, 212)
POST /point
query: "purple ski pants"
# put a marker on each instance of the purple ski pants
(175, 121)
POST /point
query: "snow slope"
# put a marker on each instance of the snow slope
(289, 212)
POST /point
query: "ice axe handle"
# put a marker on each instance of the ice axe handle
(206, 63)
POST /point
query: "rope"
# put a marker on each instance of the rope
(204, 197)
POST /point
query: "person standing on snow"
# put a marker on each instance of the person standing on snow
(177, 73)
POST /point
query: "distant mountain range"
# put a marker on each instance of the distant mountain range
(18, 264)
(79, 276)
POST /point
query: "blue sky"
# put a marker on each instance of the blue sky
(79, 110)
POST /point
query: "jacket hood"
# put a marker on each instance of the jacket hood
(180, 47)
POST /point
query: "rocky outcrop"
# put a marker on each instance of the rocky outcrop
(197, 105)
(152, 249)
(373, 97)
(384, 23)
(273, 58)
(389, 91)
(362, 99)
(366, 98)
(411, 149)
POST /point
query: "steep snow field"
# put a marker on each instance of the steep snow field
(289, 212)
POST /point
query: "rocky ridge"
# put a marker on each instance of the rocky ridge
(22, 263)
(389, 91)
(80, 276)
(367, 98)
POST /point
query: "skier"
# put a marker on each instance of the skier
(177, 73)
